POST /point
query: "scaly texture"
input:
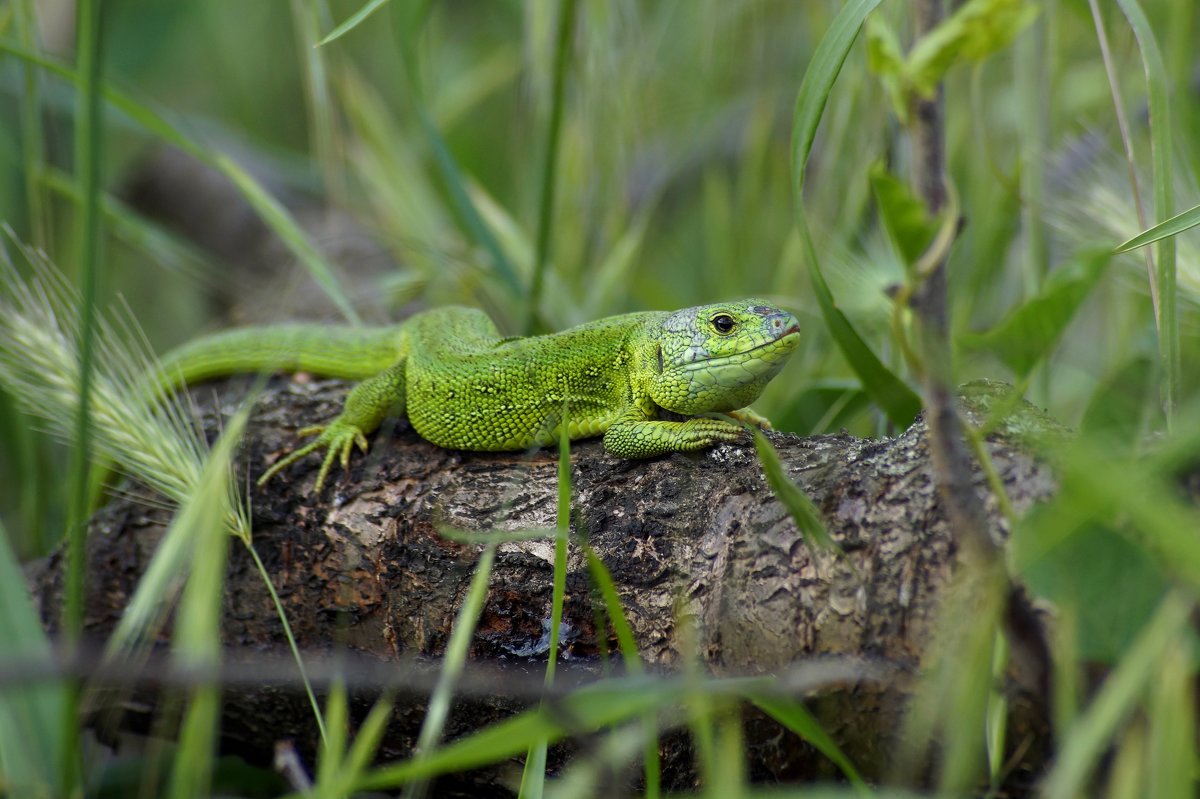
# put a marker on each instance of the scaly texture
(462, 386)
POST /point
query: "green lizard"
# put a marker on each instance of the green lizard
(462, 386)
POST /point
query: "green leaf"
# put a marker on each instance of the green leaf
(792, 497)
(1120, 402)
(886, 60)
(1111, 584)
(904, 215)
(1029, 333)
(818, 80)
(888, 391)
(972, 33)
(1172, 227)
(1134, 496)
(897, 400)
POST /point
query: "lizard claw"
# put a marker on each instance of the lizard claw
(751, 417)
(338, 439)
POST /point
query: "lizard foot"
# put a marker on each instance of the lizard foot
(701, 433)
(338, 438)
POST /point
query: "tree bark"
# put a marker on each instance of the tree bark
(363, 567)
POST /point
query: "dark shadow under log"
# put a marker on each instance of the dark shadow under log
(699, 537)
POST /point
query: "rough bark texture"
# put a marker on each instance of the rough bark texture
(364, 566)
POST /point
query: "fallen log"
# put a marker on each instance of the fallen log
(706, 561)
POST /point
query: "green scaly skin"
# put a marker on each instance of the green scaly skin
(462, 386)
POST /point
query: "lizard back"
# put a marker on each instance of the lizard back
(466, 388)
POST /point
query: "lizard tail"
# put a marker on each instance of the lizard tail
(352, 353)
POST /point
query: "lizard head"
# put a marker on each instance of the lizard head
(718, 357)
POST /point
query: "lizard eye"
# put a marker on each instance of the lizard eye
(723, 323)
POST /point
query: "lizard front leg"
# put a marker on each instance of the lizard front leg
(636, 434)
(368, 404)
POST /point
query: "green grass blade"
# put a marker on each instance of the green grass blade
(89, 155)
(33, 728)
(353, 21)
(1093, 732)
(533, 776)
(590, 709)
(463, 205)
(203, 521)
(293, 647)
(1172, 719)
(533, 780)
(323, 130)
(802, 510)
(1177, 224)
(796, 718)
(823, 69)
(566, 27)
(410, 25)
(280, 220)
(898, 401)
(452, 666)
(603, 580)
(32, 136)
(1161, 153)
(728, 779)
(366, 743)
(333, 747)
(267, 207)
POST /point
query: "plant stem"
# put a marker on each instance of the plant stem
(88, 130)
(948, 452)
(88, 156)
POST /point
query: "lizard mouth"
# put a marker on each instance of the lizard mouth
(786, 340)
